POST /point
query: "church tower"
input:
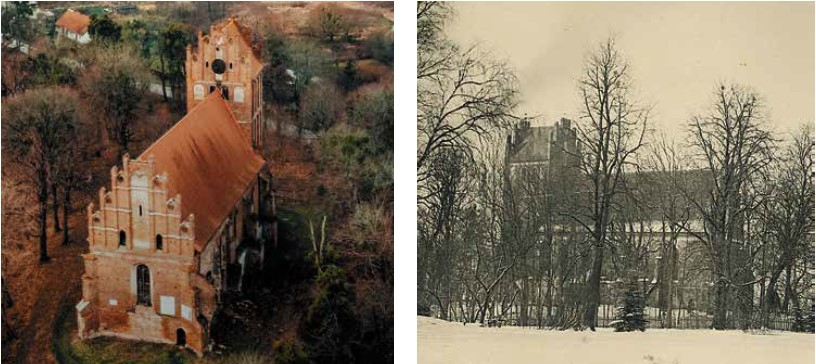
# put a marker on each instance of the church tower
(226, 61)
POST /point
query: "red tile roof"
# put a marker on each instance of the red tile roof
(208, 161)
(74, 21)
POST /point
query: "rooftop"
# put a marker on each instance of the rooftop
(208, 161)
(74, 21)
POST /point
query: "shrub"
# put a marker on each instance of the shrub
(321, 106)
(629, 315)
(330, 325)
(381, 47)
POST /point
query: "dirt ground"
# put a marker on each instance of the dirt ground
(38, 292)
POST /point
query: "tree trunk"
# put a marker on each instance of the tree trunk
(55, 197)
(66, 210)
(163, 76)
(43, 199)
(720, 304)
(593, 293)
(786, 303)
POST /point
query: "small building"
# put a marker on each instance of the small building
(74, 26)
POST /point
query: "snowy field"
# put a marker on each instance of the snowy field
(448, 342)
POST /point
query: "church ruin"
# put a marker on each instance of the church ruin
(184, 222)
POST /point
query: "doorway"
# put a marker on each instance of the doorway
(181, 337)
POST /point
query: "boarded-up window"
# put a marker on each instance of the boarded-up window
(187, 312)
(239, 94)
(168, 305)
(198, 92)
(142, 285)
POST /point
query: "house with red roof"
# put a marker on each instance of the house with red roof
(74, 26)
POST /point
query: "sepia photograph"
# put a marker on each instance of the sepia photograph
(197, 182)
(615, 182)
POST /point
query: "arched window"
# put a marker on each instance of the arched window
(142, 285)
(225, 92)
(159, 242)
(212, 89)
(122, 239)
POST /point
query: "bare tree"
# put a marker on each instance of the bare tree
(612, 132)
(433, 50)
(788, 216)
(671, 172)
(440, 226)
(35, 130)
(734, 149)
(462, 95)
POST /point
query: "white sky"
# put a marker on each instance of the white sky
(678, 52)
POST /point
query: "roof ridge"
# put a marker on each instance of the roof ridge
(183, 118)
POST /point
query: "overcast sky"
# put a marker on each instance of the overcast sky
(677, 52)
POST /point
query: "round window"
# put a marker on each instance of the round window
(218, 66)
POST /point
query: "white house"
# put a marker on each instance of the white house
(74, 26)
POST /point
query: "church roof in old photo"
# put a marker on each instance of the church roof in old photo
(208, 161)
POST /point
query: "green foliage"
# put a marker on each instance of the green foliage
(348, 78)
(352, 150)
(102, 28)
(46, 69)
(629, 316)
(141, 35)
(16, 21)
(321, 106)
(381, 47)
(330, 324)
(275, 50)
(278, 85)
(172, 52)
(373, 110)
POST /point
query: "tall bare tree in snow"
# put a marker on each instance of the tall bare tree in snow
(611, 133)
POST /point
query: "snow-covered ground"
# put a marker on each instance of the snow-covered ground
(449, 342)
